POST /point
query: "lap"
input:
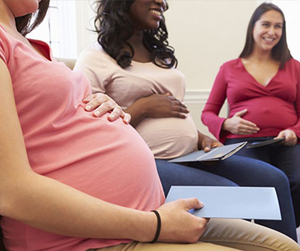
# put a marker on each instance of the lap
(248, 172)
(176, 174)
(223, 234)
(286, 158)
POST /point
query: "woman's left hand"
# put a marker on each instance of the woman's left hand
(206, 143)
(290, 137)
(101, 103)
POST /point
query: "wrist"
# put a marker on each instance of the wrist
(143, 107)
(224, 125)
(147, 234)
(158, 226)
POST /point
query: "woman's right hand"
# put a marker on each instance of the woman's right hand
(237, 125)
(178, 225)
(101, 103)
(156, 106)
(164, 105)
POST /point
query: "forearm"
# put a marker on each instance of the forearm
(52, 206)
(138, 112)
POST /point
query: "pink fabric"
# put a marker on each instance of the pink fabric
(107, 160)
(272, 108)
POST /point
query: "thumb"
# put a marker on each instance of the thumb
(193, 203)
(207, 148)
(280, 135)
(240, 113)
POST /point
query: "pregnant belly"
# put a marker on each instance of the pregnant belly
(169, 137)
(271, 113)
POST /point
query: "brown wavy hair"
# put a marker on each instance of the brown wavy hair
(114, 27)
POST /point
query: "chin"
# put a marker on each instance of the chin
(28, 11)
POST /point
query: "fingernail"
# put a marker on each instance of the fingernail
(97, 113)
(112, 116)
(88, 107)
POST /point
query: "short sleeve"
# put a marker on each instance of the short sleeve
(3, 47)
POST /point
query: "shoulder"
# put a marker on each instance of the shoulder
(292, 64)
(94, 55)
(292, 61)
(232, 63)
(95, 50)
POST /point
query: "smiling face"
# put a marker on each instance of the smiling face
(267, 30)
(22, 7)
(147, 14)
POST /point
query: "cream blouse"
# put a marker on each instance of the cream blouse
(166, 137)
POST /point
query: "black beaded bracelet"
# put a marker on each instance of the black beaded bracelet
(158, 226)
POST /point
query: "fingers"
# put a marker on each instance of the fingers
(290, 137)
(101, 104)
(247, 127)
(126, 117)
(207, 146)
(240, 113)
(99, 99)
(105, 107)
(244, 126)
(179, 109)
(118, 112)
(239, 126)
(280, 135)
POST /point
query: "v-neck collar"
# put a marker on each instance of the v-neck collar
(256, 82)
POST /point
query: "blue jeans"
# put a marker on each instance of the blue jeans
(286, 158)
(234, 170)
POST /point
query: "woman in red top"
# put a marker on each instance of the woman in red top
(263, 93)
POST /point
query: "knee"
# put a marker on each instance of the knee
(295, 180)
(278, 178)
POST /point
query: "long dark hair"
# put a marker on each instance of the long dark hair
(114, 27)
(280, 52)
(26, 24)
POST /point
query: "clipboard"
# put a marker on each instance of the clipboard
(260, 203)
(215, 154)
(264, 142)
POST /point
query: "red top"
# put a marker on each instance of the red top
(272, 108)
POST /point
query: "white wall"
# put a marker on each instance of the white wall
(206, 33)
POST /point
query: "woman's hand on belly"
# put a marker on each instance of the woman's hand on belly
(290, 137)
(101, 103)
(156, 106)
(237, 125)
(164, 106)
